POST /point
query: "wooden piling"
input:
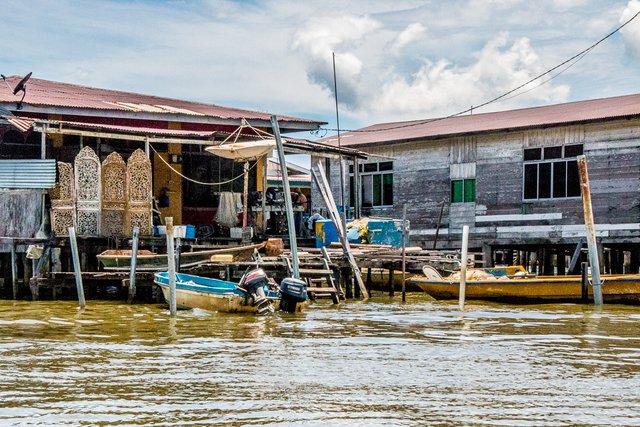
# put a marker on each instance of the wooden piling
(404, 252)
(14, 270)
(76, 266)
(590, 228)
(171, 262)
(463, 267)
(585, 283)
(134, 259)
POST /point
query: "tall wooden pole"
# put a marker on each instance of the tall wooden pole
(591, 230)
(293, 243)
(171, 262)
(134, 260)
(14, 270)
(404, 252)
(463, 267)
(76, 266)
(342, 199)
(245, 203)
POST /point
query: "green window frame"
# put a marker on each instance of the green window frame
(376, 185)
(463, 190)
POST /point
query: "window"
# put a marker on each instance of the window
(551, 172)
(463, 190)
(376, 184)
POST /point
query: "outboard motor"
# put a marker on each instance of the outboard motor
(253, 284)
(292, 291)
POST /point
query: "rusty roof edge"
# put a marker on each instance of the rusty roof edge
(426, 138)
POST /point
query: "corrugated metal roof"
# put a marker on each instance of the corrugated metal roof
(46, 93)
(27, 173)
(559, 114)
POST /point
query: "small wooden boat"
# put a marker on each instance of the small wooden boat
(520, 287)
(253, 294)
(117, 259)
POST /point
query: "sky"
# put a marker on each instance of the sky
(394, 60)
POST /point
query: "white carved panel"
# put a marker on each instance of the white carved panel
(139, 194)
(114, 200)
(88, 192)
(63, 201)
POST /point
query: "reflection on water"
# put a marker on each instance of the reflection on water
(379, 362)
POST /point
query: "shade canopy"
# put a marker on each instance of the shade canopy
(244, 151)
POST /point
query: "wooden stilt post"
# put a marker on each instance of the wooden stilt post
(76, 266)
(134, 260)
(14, 270)
(404, 252)
(585, 283)
(245, 204)
(591, 230)
(171, 262)
(463, 267)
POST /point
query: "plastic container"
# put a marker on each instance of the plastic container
(325, 233)
(191, 232)
(385, 232)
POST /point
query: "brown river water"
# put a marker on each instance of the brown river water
(374, 363)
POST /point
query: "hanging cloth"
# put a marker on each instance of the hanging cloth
(228, 208)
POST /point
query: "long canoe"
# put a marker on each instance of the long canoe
(117, 259)
(615, 288)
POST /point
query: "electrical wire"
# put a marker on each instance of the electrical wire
(577, 57)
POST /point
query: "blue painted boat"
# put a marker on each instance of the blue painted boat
(254, 293)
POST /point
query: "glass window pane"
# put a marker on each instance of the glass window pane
(532, 154)
(370, 167)
(560, 179)
(530, 181)
(352, 196)
(350, 168)
(387, 189)
(377, 190)
(385, 166)
(544, 181)
(552, 153)
(367, 194)
(457, 191)
(573, 150)
(469, 190)
(573, 179)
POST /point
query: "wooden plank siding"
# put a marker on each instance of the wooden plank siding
(422, 174)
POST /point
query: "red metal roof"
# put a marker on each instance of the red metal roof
(560, 114)
(46, 93)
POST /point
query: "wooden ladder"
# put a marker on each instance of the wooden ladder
(320, 282)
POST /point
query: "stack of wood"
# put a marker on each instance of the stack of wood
(386, 256)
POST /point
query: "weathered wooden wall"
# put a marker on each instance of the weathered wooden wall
(20, 213)
(423, 171)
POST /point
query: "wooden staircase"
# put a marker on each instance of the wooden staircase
(319, 277)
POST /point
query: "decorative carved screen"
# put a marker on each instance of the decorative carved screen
(138, 210)
(88, 189)
(114, 200)
(63, 201)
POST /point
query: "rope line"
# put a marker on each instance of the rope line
(194, 180)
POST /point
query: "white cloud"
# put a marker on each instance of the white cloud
(631, 33)
(412, 32)
(441, 86)
(322, 36)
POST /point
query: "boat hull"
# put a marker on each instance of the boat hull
(208, 294)
(625, 289)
